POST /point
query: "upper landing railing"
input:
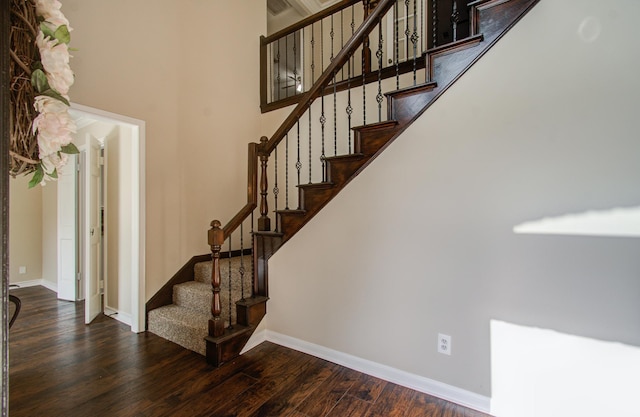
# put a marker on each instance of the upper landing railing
(292, 59)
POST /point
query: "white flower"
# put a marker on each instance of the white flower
(55, 60)
(54, 126)
(54, 162)
(50, 11)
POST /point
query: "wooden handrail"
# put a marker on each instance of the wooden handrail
(339, 60)
(309, 20)
(252, 193)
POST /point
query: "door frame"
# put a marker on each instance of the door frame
(138, 206)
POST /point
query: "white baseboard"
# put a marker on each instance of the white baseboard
(403, 378)
(118, 315)
(35, 282)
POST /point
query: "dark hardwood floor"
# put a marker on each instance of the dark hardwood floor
(61, 367)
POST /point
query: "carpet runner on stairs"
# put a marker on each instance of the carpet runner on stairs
(186, 321)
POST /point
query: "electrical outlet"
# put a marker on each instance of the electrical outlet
(444, 344)
(22, 269)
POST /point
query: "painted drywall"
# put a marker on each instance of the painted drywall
(190, 70)
(50, 234)
(422, 241)
(25, 223)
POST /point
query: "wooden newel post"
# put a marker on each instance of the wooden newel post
(216, 239)
(264, 222)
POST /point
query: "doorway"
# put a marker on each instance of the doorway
(116, 216)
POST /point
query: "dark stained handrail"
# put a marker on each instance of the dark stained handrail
(252, 193)
(310, 20)
(265, 148)
(339, 60)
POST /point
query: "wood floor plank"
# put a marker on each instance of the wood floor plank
(327, 395)
(61, 367)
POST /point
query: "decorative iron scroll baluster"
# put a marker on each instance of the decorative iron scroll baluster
(216, 239)
(313, 54)
(379, 96)
(407, 32)
(455, 18)
(422, 32)
(278, 89)
(309, 143)
(335, 117)
(286, 173)
(342, 37)
(229, 283)
(364, 85)
(253, 250)
(323, 120)
(242, 271)
(276, 190)
(396, 41)
(298, 163)
(434, 22)
(414, 39)
(297, 86)
(331, 34)
(351, 68)
(286, 66)
(264, 222)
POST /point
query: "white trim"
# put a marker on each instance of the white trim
(35, 282)
(138, 280)
(117, 315)
(397, 376)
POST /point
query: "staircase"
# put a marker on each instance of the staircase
(193, 309)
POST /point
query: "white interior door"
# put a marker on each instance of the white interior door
(67, 277)
(92, 230)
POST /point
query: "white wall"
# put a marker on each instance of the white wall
(190, 70)
(422, 242)
(25, 223)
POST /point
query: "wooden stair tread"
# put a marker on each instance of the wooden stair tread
(317, 185)
(455, 46)
(420, 88)
(267, 233)
(295, 212)
(388, 124)
(346, 157)
(250, 301)
(230, 334)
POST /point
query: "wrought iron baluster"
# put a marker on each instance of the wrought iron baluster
(331, 35)
(422, 32)
(455, 18)
(342, 36)
(351, 69)
(335, 117)
(309, 143)
(278, 88)
(321, 46)
(298, 163)
(407, 32)
(323, 120)
(434, 22)
(313, 54)
(229, 283)
(276, 190)
(414, 39)
(396, 40)
(242, 271)
(286, 66)
(286, 172)
(253, 251)
(297, 85)
(364, 89)
(379, 96)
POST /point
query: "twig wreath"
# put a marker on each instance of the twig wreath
(41, 126)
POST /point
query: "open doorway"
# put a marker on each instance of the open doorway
(110, 196)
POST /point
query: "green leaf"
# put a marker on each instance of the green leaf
(39, 81)
(37, 65)
(70, 149)
(37, 177)
(54, 94)
(47, 31)
(62, 34)
(54, 174)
